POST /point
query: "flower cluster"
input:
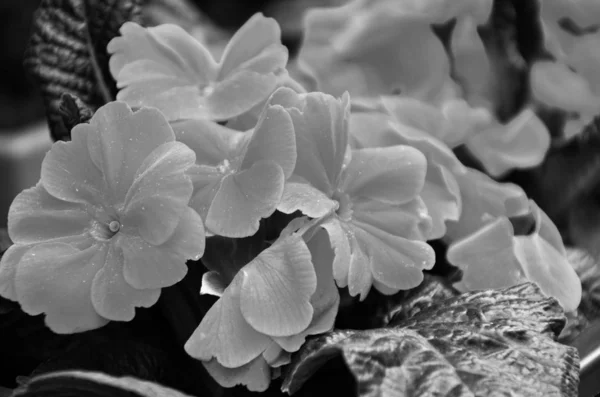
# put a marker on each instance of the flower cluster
(222, 145)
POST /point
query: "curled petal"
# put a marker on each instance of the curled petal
(160, 192)
(487, 257)
(207, 182)
(36, 216)
(225, 335)
(547, 230)
(273, 139)
(55, 278)
(276, 288)
(275, 356)
(244, 198)
(256, 375)
(68, 172)
(393, 174)
(522, 143)
(550, 269)
(112, 297)
(341, 248)
(309, 200)
(188, 241)
(119, 141)
(441, 195)
(8, 269)
(212, 284)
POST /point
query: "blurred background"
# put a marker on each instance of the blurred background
(24, 136)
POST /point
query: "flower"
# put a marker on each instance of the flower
(381, 47)
(239, 177)
(369, 197)
(166, 68)
(493, 258)
(266, 311)
(521, 143)
(440, 193)
(107, 226)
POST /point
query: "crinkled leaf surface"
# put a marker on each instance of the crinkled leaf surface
(494, 342)
(67, 52)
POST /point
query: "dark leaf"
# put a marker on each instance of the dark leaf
(67, 52)
(496, 342)
(73, 111)
(92, 384)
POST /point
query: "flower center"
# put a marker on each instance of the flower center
(103, 230)
(344, 210)
(114, 226)
(224, 167)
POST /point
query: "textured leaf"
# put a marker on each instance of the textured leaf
(67, 53)
(494, 342)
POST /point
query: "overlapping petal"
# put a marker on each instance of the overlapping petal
(393, 174)
(256, 375)
(8, 270)
(244, 198)
(225, 335)
(35, 216)
(54, 278)
(112, 297)
(166, 68)
(159, 192)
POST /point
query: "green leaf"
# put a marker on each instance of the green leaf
(495, 342)
(67, 52)
(92, 384)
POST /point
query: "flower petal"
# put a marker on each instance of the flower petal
(273, 139)
(244, 198)
(395, 261)
(68, 173)
(224, 333)
(188, 241)
(485, 199)
(147, 266)
(207, 182)
(550, 269)
(256, 375)
(523, 143)
(36, 216)
(55, 278)
(112, 297)
(487, 257)
(121, 140)
(302, 196)
(255, 46)
(8, 269)
(167, 45)
(321, 127)
(393, 174)
(276, 288)
(238, 93)
(341, 247)
(212, 142)
(409, 220)
(557, 86)
(442, 198)
(162, 67)
(160, 192)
